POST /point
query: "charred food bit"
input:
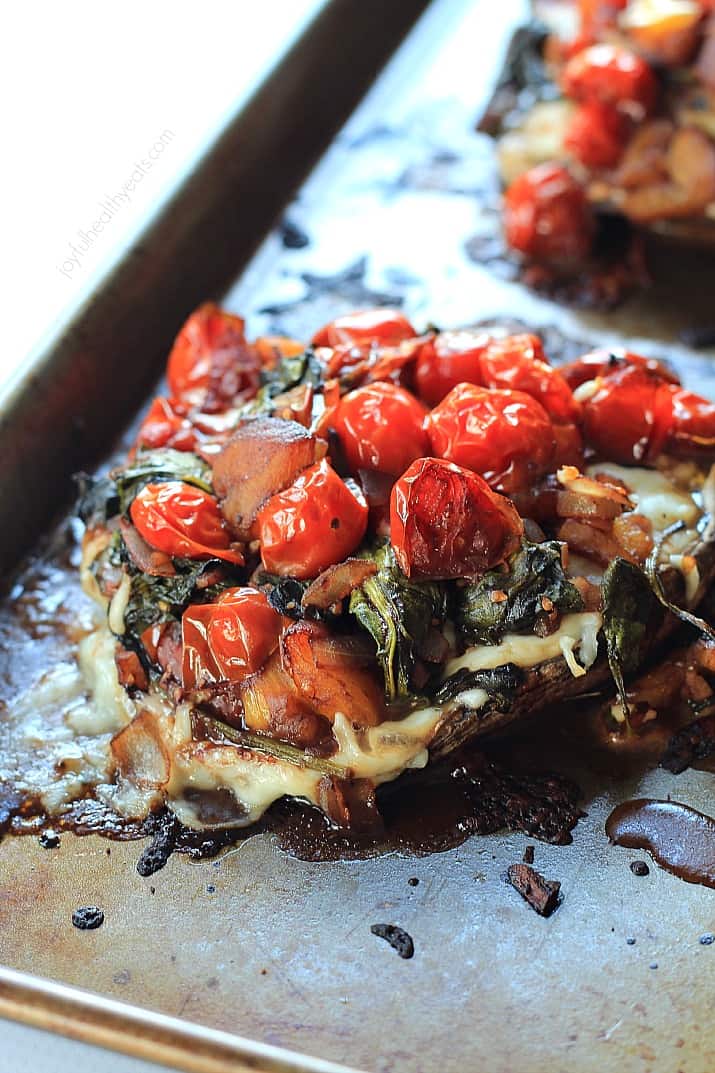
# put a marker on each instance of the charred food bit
(397, 937)
(49, 839)
(694, 742)
(543, 895)
(157, 853)
(640, 868)
(88, 917)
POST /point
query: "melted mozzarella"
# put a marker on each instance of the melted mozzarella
(578, 631)
(653, 495)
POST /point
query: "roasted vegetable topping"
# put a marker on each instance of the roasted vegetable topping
(517, 599)
(398, 613)
(446, 522)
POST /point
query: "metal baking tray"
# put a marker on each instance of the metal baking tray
(215, 966)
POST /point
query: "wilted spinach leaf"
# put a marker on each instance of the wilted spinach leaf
(151, 466)
(160, 599)
(534, 572)
(630, 612)
(102, 498)
(398, 614)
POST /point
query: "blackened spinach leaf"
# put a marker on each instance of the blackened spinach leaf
(97, 500)
(535, 572)
(398, 614)
(501, 683)
(160, 599)
(152, 466)
(284, 594)
(288, 373)
(630, 612)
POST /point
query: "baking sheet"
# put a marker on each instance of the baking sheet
(279, 950)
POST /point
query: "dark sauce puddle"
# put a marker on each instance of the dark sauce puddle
(424, 812)
(680, 839)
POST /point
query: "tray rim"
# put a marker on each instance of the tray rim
(88, 1017)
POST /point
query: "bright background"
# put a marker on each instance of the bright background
(87, 90)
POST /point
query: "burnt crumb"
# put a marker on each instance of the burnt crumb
(292, 236)
(528, 857)
(155, 856)
(707, 939)
(543, 895)
(397, 937)
(640, 868)
(108, 851)
(122, 977)
(210, 888)
(49, 839)
(698, 336)
(152, 890)
(544, 806)
(88, 917)
(653, 965)
(630, 941)
(264, 972)
(694, 742)
(413, 881)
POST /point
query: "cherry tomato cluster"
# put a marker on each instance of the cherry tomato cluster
(546, 213)
(440, 440)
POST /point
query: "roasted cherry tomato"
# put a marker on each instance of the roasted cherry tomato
(316, 522)
(446, 522)
(518, 362)
(596, 135)
(382, 327)
(167, 425)
(230, 639)
(506, 436)
(211, 360)
(569, 445)
(613, 75)
(448, 359)
(182, 521)
(693, 425)
(547, 216)
(628, 416)
(607, 362)
(380, 427)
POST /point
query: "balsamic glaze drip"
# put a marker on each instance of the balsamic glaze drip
(680, 839)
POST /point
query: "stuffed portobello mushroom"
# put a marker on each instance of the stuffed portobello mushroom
(321, 566)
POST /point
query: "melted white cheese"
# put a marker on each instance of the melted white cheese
(578, 631)
(653, 495)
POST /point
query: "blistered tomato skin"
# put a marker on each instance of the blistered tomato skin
(546, 215)
(380, 427)
(448, 359)
(382, 327)
(518, 362)
(446, 522)
(693, 424)
(211, 361)
(627, 418)
(166, 425)
(596, 135)
(243, 631)
(607, 363)
(505, 436)
(316, 522)
(613, 75)
(230, 639)
(183, 521)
